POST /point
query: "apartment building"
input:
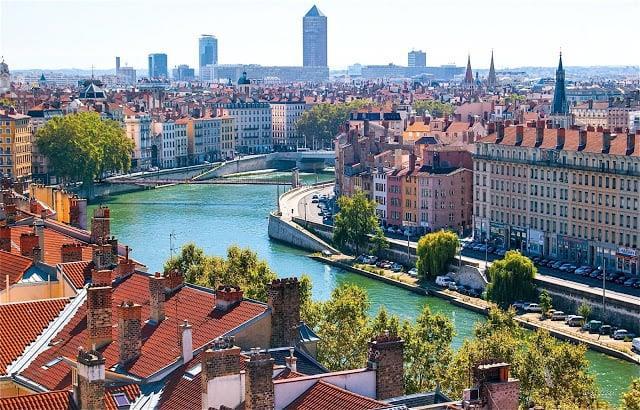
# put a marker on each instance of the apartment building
(182, 142)
(203, 139)
(569, 194)
(15, 145)
(166, 151)
(253, 125)
(284, 115)
(228, 137)
(137, 125)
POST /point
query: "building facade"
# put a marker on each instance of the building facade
(137, 125)
(253, 125)
(166, 151)
(314, 38)
(15, 146)
(158, 66)
(567, 194)
(284, 116)
(417, 58)
(207, 51)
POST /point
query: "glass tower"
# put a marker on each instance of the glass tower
(314, 38)
(158, 66)
(208, 50)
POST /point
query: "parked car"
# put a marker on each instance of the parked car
(501, 252)
(532, 308)
(583, 269)
(490, 249)
(558, 315)
(452, 286)
(413, 272)
(606, 330)
(518, 304)
(630, 282)
(623, 334)
(315, 196)
(593, 326)
(396, 267)
(557, 265)
(574, 320)
(568, 267)
(535, 259)
(635, 344)
(443, 281)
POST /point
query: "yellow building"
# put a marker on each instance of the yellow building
(228, 136)
(15, 145)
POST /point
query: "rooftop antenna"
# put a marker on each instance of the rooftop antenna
(172, 249)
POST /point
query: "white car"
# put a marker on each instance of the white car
(443, 281)
(532, 308)
(413, 272)
(452, 286)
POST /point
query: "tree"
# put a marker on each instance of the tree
(435, 108)
(631, 398)
(241, 267)
(545, 303)
(584, 310)
(379, 242)
(435, 251)
(511, 279)
(356, 220)
(321, 124)
(82, 147)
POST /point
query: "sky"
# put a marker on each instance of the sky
(56, 34)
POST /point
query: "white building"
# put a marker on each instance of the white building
(166, 131)
(138, 127)
(181, 142)
(380, 191)
(253, 124)
(284, 116)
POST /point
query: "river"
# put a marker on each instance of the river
(216, 216)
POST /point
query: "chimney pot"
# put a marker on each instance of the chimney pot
(98, 315)
(157, 285)
(284, 300)
(28, 241)
(129, 331)
(560, 138)
(386, 358)
(227, 297)
(5, 238)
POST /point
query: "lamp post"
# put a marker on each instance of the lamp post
(486, 253)
(408, 248)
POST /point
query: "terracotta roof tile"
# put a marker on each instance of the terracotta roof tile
(53, 242)
(12, 265)
(132, 391)
(160, 346)
(77, 272)
(323, 395)
(54, 400)
(21, 323)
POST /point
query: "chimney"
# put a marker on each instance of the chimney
(386, 357)
(291, 360)
(227, 297)
(412, 162)
(101, 277)
(590, 104)
(28, 241)
(220, 371)
(157, 284)
(582, 139)
(100, 224)
(113, 241)
(519, 134)
(259, 382)
(98, 315)
(129, 331)
(284, 301)
(71, 252)
(174, 281)
(631, 146)
(102, 255)
(491, 127)
(38, 229)
(606, 140)
(560, 138)
(495, 387)
(88, 386)
(36, 255)
(539, 132)
(500, 132)
(186, 341)
(126, 267)
(5, 238)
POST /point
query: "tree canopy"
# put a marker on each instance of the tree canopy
(631, 398)
(511, 279)
(435, 108)
(356, 220)
(241, 267)
(435, 251)
(320, 125)
(81, 147)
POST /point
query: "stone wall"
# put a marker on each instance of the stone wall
(293, 235)
(467, 275)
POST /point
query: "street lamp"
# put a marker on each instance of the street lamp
(486, 253)
(408, 243)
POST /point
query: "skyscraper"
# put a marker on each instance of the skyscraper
(208, 50)
(417, 58)
(314, 38)
(158, 66)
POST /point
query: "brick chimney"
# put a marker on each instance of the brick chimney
(5, 238)
(98, 315)
(100, 223)
(412, 162)
(11, 212)
(71, 252)
(631, 146)
(284, 301)
(157, 284)
(36, 255)
(227, 297)
(129, 331)
(539, 132)
(560, 138)
(175, 281)
(606, 141)
(102, 277)
(291, 360)
(499, 132)
(102, 256)
(494, 386)
(88, 388)
(519, 134)
(582, 139)
(126, 266)
(38, 229)
(590, 128)
(258, 383)
(28, 241)
(220, 371)
(386, 358)
(186, 342)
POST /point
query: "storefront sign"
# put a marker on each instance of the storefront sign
(626, 252)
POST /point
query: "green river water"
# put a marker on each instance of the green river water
(216, 216)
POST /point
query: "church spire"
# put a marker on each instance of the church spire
(492, 81)
(560, 105)
(468, 76)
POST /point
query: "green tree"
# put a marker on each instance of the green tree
(379, 242)
(321, 124)
(435, 251)
(631, 398)
(82, 147)
(241, 267)
(545, 303)
(584, 310)
(435, 108)
(356, 220)
(511, 279)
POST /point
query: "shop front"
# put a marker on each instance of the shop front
(573, 249)
(627, 260)
(536, 242)
(498, 235)
(518, 239)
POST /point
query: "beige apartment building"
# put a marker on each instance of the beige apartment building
(568, 194)
(15, 146)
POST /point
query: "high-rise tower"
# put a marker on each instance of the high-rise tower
(158, 66)
(314, 38)
(207, 50)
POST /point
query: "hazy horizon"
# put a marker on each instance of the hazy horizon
(73, 34)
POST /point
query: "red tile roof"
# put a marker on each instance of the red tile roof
(77, 272)
(14, 266)
(132, 391)
(323, 395)
(53, 242)
(160, 346)
(54, 400)
(21, 323)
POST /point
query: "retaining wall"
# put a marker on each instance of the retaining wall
(290, 233)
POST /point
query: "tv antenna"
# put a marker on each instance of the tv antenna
(172, 238)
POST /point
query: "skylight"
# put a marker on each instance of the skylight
(193, 372)
(122, 401)
(52, 362)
